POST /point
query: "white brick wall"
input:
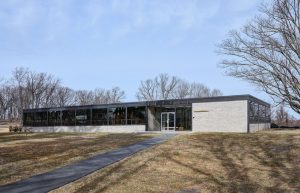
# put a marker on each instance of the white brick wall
(229, 116)
(88, 129)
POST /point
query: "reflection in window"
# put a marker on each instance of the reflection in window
(262, 113)
(117, 116)
(136, 115)
(41, 119)
(259, 113)
(83, 117)
(99, 116)
(28, 119)
(68, 118)
(54, 118)
(183, 119)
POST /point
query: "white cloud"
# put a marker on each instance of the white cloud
(241, 5)
(92, 12)
(57, 20)
(112, 18)
(149, 16)
(18, 15)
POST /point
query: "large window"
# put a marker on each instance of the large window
(183, 119)
(54, 118)
(136, 115)
(28, 119)
(40, 119)
(117, 116)
(99, 117)
(68, 118)
(259, 113)
(83, 117)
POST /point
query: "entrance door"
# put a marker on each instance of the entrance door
(168, 121)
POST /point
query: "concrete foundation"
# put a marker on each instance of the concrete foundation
(259, 126)
(91, 129)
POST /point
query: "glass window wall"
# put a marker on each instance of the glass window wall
(54, 118)
(83, 117)
(68, 118)
(117, 116)
(183, 119)
(136, 115)
(99, 117)
(28, 119)
(40, 119)
(259, 113)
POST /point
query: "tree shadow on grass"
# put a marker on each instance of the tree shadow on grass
(237, 179)
(283, 166)
(269, 153)
(265, 154)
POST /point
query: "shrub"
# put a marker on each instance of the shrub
(273, 125)
(11, 128)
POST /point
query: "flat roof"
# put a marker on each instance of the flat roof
(163, 103)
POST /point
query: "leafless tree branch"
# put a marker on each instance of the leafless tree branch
(266, 52)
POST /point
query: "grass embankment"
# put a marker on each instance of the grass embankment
(259, 162)
(23, 156)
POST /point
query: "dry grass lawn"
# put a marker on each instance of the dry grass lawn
(22, 156)
(260, 162)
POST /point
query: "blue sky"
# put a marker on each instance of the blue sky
(103, 43)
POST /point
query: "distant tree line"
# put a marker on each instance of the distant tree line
(28, 89)
(165, 86)
(282, 118)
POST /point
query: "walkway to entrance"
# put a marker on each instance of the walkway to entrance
(62, 176)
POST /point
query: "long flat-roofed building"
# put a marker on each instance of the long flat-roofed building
(239, 113)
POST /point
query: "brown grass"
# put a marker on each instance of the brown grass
(22, 156)
(260, 162)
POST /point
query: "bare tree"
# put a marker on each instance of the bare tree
(161, 87)
(100, 96)
(63, 96)
(51, 85)
(282, 117)
(84, 97)
(6, 100)
(28, 89)
(115, 95)
(164, 86)
(182, 90)
(40, 87)
(266, 52)
(147, 91)
(18, 80)
(216, 92)
(199, 90)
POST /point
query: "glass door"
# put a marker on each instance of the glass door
(168, 122)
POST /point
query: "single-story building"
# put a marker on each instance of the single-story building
(239, 113)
